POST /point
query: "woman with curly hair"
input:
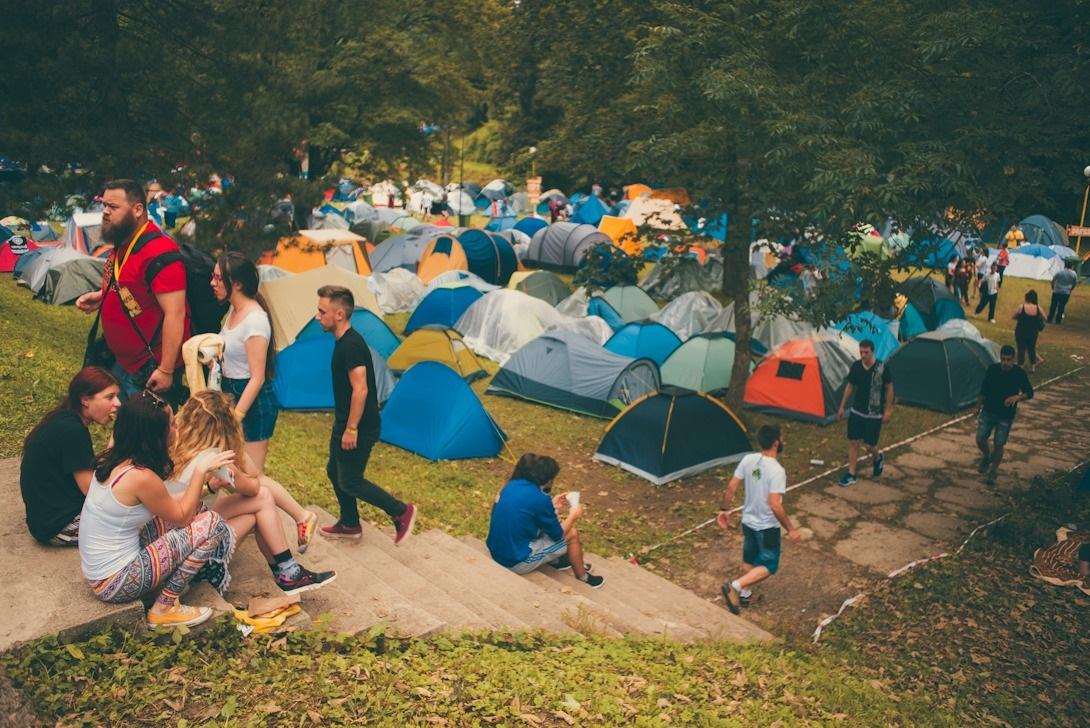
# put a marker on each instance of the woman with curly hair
(207, 424)
(136, 540)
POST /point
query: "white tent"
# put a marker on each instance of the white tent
(396, 290)
(271, 272)
(1031, 266)
(689, 314)
(655, 213)
(501, 322)
(381, 192)
(460, 278)
(576, 304)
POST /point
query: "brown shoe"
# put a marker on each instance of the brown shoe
(734, 602)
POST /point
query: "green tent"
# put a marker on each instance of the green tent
(702, 364)
(631, 302)
(941, 370)
(70, 279)
(543, 284)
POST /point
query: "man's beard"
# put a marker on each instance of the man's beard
(119, 231)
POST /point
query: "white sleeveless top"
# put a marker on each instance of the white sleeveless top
(109, 531)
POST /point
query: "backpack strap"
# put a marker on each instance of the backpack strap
(158, 263)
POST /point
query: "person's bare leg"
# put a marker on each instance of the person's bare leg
(853, 455)
(258, 452)
(284, 499)
(263, 508)
(755, 575)
(575, 554)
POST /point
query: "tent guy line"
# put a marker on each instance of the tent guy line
(913, 565)
(830, 471)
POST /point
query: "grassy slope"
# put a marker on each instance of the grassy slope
(958, 639)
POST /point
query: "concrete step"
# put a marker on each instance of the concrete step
(44, 590)
(681, 605)
(350, 605)
(641, 614)
(575, 610)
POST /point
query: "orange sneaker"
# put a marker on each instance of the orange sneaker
(305, 530)
(179, 615)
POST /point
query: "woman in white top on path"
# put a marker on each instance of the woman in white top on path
(248, 371)
(136, 540)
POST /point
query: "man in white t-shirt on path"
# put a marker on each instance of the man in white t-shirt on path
(762, 515)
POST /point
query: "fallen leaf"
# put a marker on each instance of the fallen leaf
(269, 708)
(564, 717)
(423, 692)
(531, 719)
(315, 716)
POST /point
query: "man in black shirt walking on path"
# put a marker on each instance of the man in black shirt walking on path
(355, 422)
(1005, 385)
(869, 389)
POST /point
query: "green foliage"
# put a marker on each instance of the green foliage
(604, 267)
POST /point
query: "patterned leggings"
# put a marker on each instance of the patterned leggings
(170, 557)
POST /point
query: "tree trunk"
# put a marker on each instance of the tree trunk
(736, 286)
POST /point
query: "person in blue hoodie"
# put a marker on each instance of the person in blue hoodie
(525, 531)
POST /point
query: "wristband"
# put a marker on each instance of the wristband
(164, 371)
(351, 430)
(239, 413)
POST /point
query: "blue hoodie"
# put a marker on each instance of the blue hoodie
(521, 514)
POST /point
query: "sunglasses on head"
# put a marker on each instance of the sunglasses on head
(148, 394)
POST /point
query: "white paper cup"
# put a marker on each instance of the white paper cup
(573, 498)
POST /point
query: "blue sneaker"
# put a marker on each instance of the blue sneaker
(847, 480)
(878, 465)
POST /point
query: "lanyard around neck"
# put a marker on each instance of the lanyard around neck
(128, 251)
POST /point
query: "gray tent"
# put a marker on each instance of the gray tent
(674, 275)
(562, 245)
(566, 370)
(404, 250)
(33, 274)
(942, 370)
(69, 279)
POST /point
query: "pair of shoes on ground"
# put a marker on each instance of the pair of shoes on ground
(403, 527)
(592, 580)
(877, 467)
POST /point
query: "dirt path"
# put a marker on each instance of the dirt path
(929, 495)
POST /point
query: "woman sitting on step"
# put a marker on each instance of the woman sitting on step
(58, 457)
(127, 549)
(207, 424)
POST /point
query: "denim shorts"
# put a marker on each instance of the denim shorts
(260, 421)
(988, 422)
(543, 550)
(761, 548)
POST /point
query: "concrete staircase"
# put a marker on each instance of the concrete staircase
(431, 583)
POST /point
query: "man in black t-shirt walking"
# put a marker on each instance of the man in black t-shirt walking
(1005, 385)
(355, 422)
(870, 390)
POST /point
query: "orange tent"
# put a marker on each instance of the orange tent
(443, 254)
(677, 195)
(309, 249)
(631, 192)
(622, 231)
(802, 379)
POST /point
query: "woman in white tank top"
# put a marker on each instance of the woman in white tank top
(126, 546)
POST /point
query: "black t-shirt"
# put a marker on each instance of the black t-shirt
(1001, 383)
(350, 352)
(861, 378)
(60, 448)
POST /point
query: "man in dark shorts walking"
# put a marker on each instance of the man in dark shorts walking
(870, 391)
(1005, 385)
(762, 515)
(355, 422)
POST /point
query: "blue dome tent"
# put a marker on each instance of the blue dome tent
(434, 413)
(443, 307)
(869, 325)
(530, 225)
(589, 211)
(489, 256)
(644, 340)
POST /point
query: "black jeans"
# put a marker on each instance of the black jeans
(1056, 307)
(1026, 343)
(988, 299)
(345, 470)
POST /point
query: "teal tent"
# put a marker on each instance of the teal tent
(631, 302)
(941, 370)
(702, 364)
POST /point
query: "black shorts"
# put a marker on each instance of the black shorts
(867, 429)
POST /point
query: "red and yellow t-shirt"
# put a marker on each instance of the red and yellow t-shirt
(140, 300)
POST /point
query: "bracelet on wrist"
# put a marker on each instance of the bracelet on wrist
(164, 371)
(352, 430)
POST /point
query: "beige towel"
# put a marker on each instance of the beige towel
(198, 352)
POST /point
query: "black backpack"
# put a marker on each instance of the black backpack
(205, 312)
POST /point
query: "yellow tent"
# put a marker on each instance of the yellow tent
(622, 231)
(309, 249)
(443, 254)
(433, 343)
(293, 300)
